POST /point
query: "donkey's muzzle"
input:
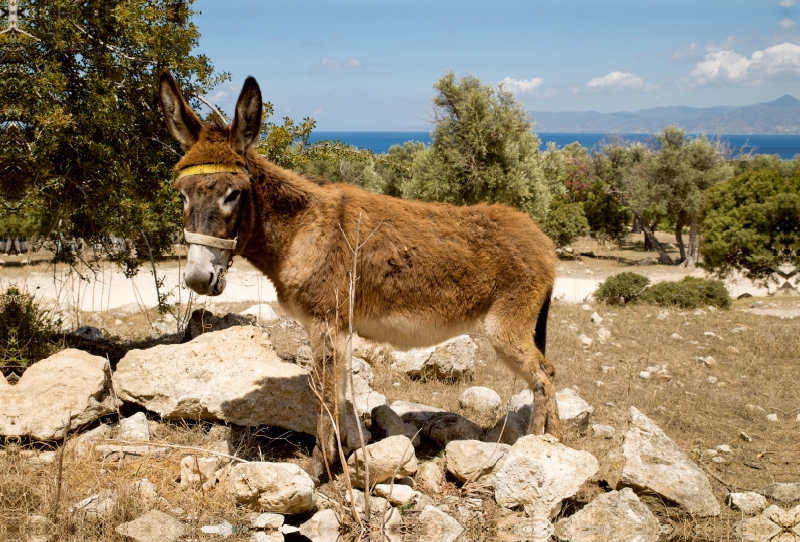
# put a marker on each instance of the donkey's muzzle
(205, 270)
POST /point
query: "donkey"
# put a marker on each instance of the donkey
(428, 272)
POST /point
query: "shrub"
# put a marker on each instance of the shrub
(689, 293)
(565, 222)
(25, 330)
(621, 289)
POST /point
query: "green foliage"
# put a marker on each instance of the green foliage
(565, 222)
(751, 223)
(608, 218)
(621, 289)
(25, 329)
(688, 293)
(483, 151)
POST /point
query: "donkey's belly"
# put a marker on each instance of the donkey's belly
(404, 332)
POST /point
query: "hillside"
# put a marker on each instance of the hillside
(781, 116)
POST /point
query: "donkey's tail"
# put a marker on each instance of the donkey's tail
(540, 333)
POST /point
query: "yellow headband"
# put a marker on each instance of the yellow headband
(212, 168)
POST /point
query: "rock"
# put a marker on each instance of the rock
(453, 359)
(785, 518)
(305, 358)
(397, 494)
(386, 457)
(414, 413)
(471, 460)
(442, 428)
(437, 526)
(266, 520)
(481, 403)
(772, 418)
(232, 375)
(757, 529)
(596, 318)
(586, 342)
(748, 502)
(70, 383)
(711, 380)
(267, 536)
(322, 527)
(644, 375)
(83, 445)
(649, 460)
(724, 449)
(153, 526)
(94, 508)
(412, 363)
(282, 488)
(90, 333)
(618, 515)
(586, 307)
(147, 493)
(603, 334)
(676, 336)
(573, 411)
(134, 428)
(204, 321)
(539, 472)
(377, 505)
(196, 471)
(365, 397)
(386, 423)
(603, 431)
(430, 476)
(263, 312)
(221, 437)
(512, 427)
(785, 492)
(111, 453)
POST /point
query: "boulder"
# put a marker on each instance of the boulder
(83, 445)
(322, 527)
(573, 411)
(414, 413)
(430, 476)
(387, 458)
(508, 429)
(649, 460)
(263, 312)
(196, 471)
(412, 363)
(785, 492)
(437, 526)
(480, 403)
(69, 384)
(472, 460)
(153, 526)
(134, 428)
(619, 516)
(282, 488)
(232, 375)
(94, 508)
(266, 520)
(204, 321)
(748, 502)
(397, 494)
(447, 426)
(111, 453)
(539, 472)
(453, 359)
(364, 397)
(90, 333)
(603, 431)
(386, 423)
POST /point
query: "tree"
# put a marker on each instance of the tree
(751, 223)
(483, 150)
(565, 222)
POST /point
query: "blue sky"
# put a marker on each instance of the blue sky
(370, 65)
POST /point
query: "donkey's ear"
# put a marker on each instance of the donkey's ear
(247, 121)
(182, 123)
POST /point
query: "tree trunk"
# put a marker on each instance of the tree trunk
(637, 228)
(679, 237)
(691, 260)
(651, 239)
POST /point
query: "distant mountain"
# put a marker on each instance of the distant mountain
(781, 116)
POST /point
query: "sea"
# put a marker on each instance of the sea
(785, 146)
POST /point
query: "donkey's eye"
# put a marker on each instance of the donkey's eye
(232, 197)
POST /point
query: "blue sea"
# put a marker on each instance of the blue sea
(785, 146)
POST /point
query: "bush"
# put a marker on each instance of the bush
(621, 289)
(565, 222)
(689, 293)
(25, 330)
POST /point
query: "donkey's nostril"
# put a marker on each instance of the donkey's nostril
(210, 279)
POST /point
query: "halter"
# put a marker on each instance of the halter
(207, 240)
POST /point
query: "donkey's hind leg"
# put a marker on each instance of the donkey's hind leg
(511, 335)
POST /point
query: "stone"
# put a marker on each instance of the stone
(649, 460)
(644, 375)
(204, 321)
(573, 411)
(94, 508)
(618, 515)
(480, 402)
(263, 312)
(785, 492)
(596, 318)
(430, 476)
(603, 334)
(196, 471)
(386, 423)
(153, 526)
(586, 307)
(603, 431)
(377, 505)
(756, 529)
(111, 453)
(442, 428)
(785, 518)
(772, 418)
(453, 359)
(437, 526)
(134, 428)
(281, 488)
(397, 494)
(364, 397)
(89, 333)
(69, 384)
(232, 375)
(147, 492)
(724, 449)
(322, 527)
(221, 438)
(268, 536)
(83, 445)
(748, 502)
(472, 460)
(676, 336)
(305, 358)
(508, 429)
(586, 342)
(266, 520)
(392, 456)
(414, 413)
(412, 363)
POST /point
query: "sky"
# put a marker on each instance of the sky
(370, 65)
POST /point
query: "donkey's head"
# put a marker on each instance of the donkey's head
(213, 181)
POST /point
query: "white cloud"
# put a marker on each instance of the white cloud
(617, 80)
(777, 63)
(522, 86)
(687, 53)
(218, 96)
(338, 64)
(787, 3)
(318, 111)
(786, 23)
(726, 45)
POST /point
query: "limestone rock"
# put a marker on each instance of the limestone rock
(232, 375)
(453, 359)
(748, 502)
(474, 460)
(437, 526)
(412, 363)
(480, 403)
(263, 312)
(518, 527)
(70, 383)
(364, 396)
(94, 508)
(414, 413)
(386, 423)
(153, 526)
(782, 491)
(573, 411)
(204, 321)
(267, 520)
(508, 429)
(649, 459)
(384, 458)
(756, 529)
(134, 428)
(539, 473)
(619, 516)
(196, 471)
(397, 494)
(442, 428)
(430, 476)
(147, 493)
(111, 453)
(603, 431)
(377, 505)
(83, 445)
(281, 488)
(322, 527)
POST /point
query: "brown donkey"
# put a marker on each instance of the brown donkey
(429, 271)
